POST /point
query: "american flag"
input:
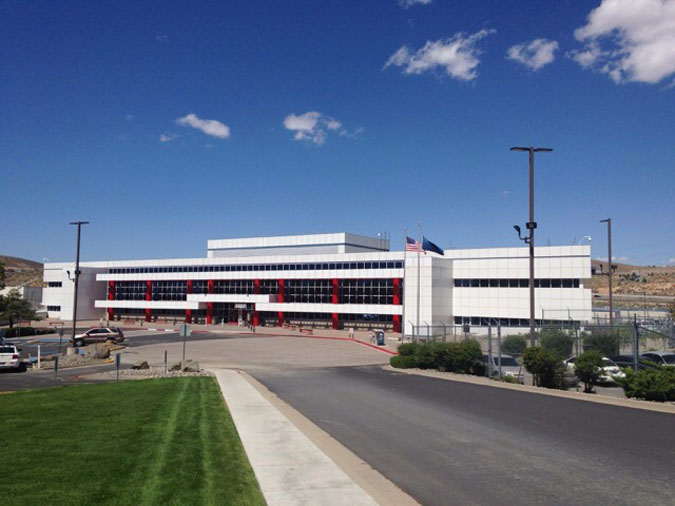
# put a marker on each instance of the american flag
(412, 245)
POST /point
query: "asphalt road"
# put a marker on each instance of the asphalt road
(446, 442)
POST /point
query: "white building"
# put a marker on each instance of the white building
(337, 280)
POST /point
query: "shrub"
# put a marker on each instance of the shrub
(407, 349)
(402, 361)
(606, 343)
(587, 367)
(545, 366)
(424, 356)
(26, 331)
(556, 341)
(650, 384)
(514, 345)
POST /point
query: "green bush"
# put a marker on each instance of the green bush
(26, 331)
(556, 341)
(650, 384)
(545, 366)
(402, 361)
(425, 355)
(407, 349)
(587, 367)
(514, 345)
(606, 343)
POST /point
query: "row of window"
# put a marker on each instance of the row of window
(262, 267)
(317, 291)
(516, 283)
(53, 308)
(54, 284)
(483, 321)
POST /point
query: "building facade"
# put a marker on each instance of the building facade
(332, 280)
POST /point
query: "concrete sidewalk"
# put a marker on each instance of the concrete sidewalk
(290, 469)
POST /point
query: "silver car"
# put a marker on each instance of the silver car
(510, 367)
(665, 358)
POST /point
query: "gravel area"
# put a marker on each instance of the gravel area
(152, 372)
(71, 361)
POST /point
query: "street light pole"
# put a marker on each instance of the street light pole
(77, 273)
(609, 273)
(531, 225)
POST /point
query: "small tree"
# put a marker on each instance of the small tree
(545, 366)
(588, 369)
(2, 275)
(606, 343)
(514, 345)
(557, 341)
(13, 307)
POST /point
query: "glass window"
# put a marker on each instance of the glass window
(524, 283)
(567, 283)
(556, 283)
(483, 283)
(494, 283)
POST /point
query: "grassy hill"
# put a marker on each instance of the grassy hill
(19, 271)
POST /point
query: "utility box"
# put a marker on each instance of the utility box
(379, 337)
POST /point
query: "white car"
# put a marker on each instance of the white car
(610, 371)
(9, 358)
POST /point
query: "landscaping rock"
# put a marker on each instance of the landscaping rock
(175, 366)
(189, 366)
(97, 351)
(141, 364)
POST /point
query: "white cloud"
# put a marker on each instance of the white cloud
(311, 126)
(129, 117)
(208, 126)
(506, 193)
(629, 40)
(406, 4)
(614, 259)
(458, 55)
(670, 261)
(535, 54)
(167, 137)
(356, 133)
(162, 39)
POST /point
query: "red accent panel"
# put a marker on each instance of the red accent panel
(209, 313)
(210, 286)
(111, 290)
(397, 323)
(280, 318)
(397, 292)
(148, 314)
(189, 286)
(256, 319)
(256, 286)
(336, 294)
(188, 315)
(281, 292)
(336, 321)
(148, 290)
(111, 313)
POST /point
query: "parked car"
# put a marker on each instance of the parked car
(624, 361)
(666, 358)
(99, 334)
(510, 367)
(610, 371)
(9, 358)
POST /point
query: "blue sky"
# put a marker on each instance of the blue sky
(168, 123)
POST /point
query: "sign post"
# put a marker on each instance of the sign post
(184, 332)
(60, 331)
(118, 360)
(56, 367)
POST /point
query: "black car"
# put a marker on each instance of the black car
(627, 361)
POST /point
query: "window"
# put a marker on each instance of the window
(54, 284)
(53, 308)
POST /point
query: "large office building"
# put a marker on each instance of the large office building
(334, 280)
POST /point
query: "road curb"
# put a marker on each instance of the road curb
(579, 396)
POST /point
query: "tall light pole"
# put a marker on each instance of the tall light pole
(531, 225)
(77, 273)
(609, 273)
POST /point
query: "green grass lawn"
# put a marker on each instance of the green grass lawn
(166, 441)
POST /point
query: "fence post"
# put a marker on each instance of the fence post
(499, 348)
(489, 367)
(636, 344)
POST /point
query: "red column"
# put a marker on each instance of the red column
(111, 296)
(188, 312)
(397, 323)
(280, 298)
(397, 291)
(336, 300)
(256, 317)
(148, 297)
(209, 305)
(256, 286)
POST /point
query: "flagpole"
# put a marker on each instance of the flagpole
(405, 254)
(419, 249)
